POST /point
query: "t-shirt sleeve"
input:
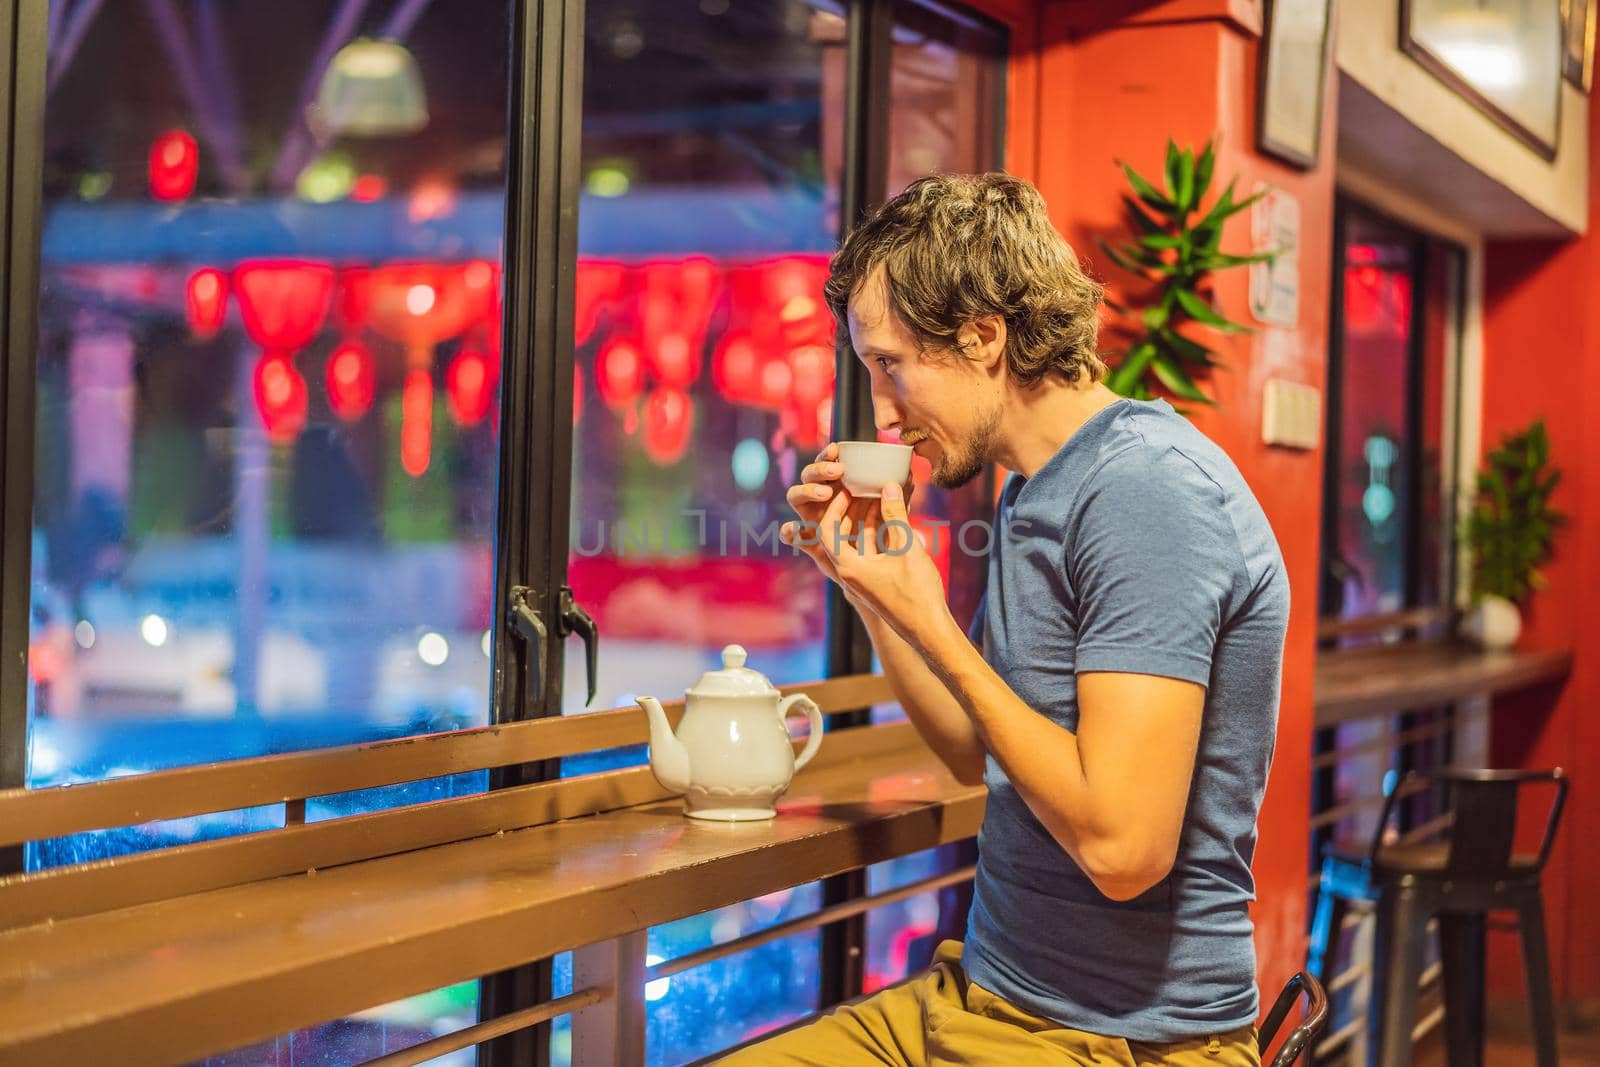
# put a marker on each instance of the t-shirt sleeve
(1152, 560)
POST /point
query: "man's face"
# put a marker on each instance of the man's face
(944, 405)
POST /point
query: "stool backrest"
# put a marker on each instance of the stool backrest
(1483, 809)
(1301, 1038)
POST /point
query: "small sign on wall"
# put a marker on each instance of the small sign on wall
(1291, 414)
(1275, 284)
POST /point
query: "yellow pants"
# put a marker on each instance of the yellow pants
(941, 1018)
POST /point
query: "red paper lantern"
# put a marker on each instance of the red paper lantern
(469, 387)
(422, 304)
(283, 302)
(792, 297)
(174, 165)
(205, 301)
(619, 372)
(812, 369)
(367, 188)
(353, 308)
(774, 383)
(668, 424)
(736, 367)
(281, 397)
(676, 299)
(599, 284)
(416, 423)
(352, 381)
(675, 363)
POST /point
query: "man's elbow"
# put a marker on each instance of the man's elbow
(967, 772)
(1125, 870)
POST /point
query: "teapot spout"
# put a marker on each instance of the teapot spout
(669, 760)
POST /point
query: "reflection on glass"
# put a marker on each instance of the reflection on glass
(1375, 436)
(711, 164)
(946, 90)
(1391, 485)
(901, 936)
(707, 1008)
(267, 423)
(369, 1034)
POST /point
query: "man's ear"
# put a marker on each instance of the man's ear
(983, 340)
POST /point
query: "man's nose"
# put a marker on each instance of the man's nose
(885, 412)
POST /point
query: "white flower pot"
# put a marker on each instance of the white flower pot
(1494, 624)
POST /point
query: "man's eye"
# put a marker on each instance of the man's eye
(884, 363)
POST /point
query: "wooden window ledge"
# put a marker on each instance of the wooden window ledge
(176, 979)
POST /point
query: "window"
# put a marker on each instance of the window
(267, 438)
(1388, 542)
(270, 460)
(266, 407)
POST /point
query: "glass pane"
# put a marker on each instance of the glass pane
(946, 90)
(267, 416)
(712, 142)
(707, 1008)
(1376, 435)
(267, 407)
(1396, 377)
(368, 1034)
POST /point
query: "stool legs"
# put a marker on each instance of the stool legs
(1327, 929)
(1397, 961)
(1461, 950)
(1536, 962)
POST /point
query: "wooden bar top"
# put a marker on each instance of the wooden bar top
(181, 978)
(1359, 682)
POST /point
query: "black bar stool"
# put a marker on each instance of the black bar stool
(1297, 1042)
(1472, 870)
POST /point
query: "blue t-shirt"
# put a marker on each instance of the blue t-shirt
(1137, 547)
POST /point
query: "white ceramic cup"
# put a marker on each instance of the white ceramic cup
(871, 465)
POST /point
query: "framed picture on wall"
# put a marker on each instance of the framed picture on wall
(1292, 79)
(1505, 56)
(1577, 42)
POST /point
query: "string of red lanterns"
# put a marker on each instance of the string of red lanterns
(775, 350)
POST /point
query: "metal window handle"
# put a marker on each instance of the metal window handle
(526, 623)
(524, 620)
(574, 620)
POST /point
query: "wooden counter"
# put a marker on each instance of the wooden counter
(177, 979)
(1360, 682)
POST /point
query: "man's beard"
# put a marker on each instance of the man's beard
(956, 469)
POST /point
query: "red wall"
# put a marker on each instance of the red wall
(1096, 81)
(1541, 335)
(1113, 90)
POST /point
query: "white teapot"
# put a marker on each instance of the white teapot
(731, 758)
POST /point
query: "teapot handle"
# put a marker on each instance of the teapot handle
(814, 714)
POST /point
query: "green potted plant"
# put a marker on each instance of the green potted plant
(1176, 251)
(1510, 533)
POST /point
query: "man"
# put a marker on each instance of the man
(1123, 708)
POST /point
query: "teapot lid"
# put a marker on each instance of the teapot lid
(734, 679)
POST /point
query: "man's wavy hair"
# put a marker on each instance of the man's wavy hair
(958, 247)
